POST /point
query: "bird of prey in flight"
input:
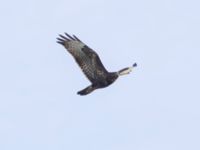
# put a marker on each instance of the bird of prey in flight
(90, 64)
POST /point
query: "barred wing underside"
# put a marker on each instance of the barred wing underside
(87, 59)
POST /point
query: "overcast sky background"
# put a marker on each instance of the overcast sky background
(156, 107)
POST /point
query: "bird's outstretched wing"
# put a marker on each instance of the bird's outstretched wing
(87, 59)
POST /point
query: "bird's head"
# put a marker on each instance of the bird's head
(126, 70)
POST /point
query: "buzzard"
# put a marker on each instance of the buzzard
(90, 64)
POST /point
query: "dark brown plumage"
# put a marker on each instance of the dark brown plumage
(90, 63)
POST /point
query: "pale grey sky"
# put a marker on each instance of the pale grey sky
(156, 107)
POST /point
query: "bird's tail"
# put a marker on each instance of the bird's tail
(126, 70)
(87, 90)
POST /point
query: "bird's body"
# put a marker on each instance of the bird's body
(90, 63)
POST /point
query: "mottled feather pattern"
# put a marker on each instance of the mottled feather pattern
(87, 59)
(87, 68)
(75, 48)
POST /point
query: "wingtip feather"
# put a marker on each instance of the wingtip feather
(69, 36)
